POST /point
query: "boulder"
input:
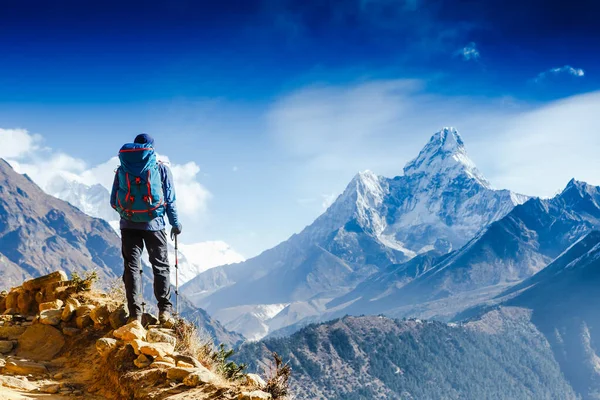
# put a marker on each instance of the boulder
(67, 331)
(157, 349)
(188, 360)
(256, 395)
(40, 343)
(53, 388)
(84, 310)
(84, 321)
(200, 376)
(25, 302)
(136, 344)
(179, 374)
(6, 346)
(12, 300)
(142, 361)
(255, 381)
(70, 307)
(19, 367)
(100, 315)
(51, 305)
(118, 318)
(11, 332)
(158, 336)
(38, 283)
(105, 346)
(50, 317)
(133, 330)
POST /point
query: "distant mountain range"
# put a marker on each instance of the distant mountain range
(540, 341)
(440, 203)
(501, 356)
(40, 234)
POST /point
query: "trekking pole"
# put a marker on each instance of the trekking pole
(176, 278)
(142, 284)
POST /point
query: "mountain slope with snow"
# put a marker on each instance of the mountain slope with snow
(509, 251)
(441, 201)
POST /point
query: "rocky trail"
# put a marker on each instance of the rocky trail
(59, 339)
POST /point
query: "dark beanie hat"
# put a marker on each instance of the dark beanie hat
(144, 138)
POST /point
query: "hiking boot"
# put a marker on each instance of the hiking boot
(166, 319)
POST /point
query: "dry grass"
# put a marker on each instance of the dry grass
(278, 377)
(115, 290)
(193, 342)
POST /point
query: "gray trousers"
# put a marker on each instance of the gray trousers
(132, 245)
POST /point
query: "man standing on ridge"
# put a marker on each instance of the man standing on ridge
(142, 193)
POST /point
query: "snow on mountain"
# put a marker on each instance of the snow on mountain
(202, 256)
(441, 201)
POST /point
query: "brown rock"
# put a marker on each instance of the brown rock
(11, 332)
(25, 302)
(6, 346)
(50, 317)
(70, 307)
(188, 359)
(100, 315)
(25, 368)
(39, 297)
(255, 380)
(142, 361)
(136, 344)
(118, 318)
(38, 283)
(157, 336)
(84, 321)
(67, 331)
(183, 364)
(51, 305)
(12, 300)
(10, 311)
(50, 389)
(200, 376)
(105, 346)
(256, 395)
(157, 349)
(84, 310)
(133, 330)
(40, 343)
(179, 374)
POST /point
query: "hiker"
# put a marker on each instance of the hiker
(142, 194)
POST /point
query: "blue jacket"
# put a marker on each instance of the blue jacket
(156, 224)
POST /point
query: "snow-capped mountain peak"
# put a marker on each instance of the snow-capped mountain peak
(445, 153)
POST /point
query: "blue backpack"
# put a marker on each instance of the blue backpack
(140, 194)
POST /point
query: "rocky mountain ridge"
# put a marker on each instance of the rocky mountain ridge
(439, 203)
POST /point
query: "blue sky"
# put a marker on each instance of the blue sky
(280, 103)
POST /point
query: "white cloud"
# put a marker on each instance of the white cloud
(25, 153)
(469, 52)
(566, 70)
(15, 143)
(328, 199)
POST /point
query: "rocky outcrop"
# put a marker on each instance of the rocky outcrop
(70, 342)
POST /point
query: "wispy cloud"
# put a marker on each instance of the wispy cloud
(566, 70)
(469, 52)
